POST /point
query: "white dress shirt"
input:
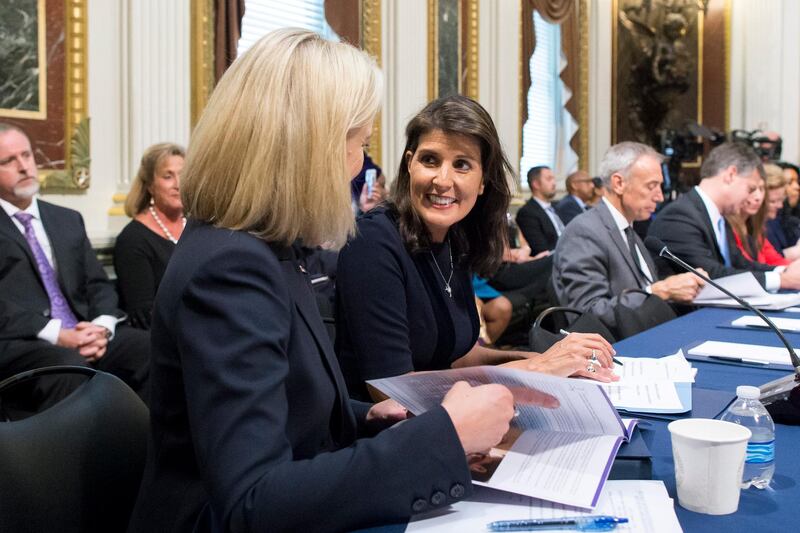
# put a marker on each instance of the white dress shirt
(622, 225)
(50, 332)
(558, 224)
(772, 280)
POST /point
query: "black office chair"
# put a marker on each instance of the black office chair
(546, 329)
(648, 311)
(77, 466)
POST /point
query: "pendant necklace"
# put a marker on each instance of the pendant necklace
(163, 227)
(447, 287)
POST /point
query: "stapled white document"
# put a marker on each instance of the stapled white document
(645, 504)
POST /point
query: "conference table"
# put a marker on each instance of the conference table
(767, 510)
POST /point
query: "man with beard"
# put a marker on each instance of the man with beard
(57, 306)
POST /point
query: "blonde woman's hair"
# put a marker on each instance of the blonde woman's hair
(774, 176)
(139, 196)
(268, 154)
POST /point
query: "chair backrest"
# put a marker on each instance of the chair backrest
(650, 311)
(543, 335)
(77, 466)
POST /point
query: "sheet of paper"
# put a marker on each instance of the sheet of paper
(752, 321)
(742, 285)
(745, 286)
(584, 407)
(747, 352)
(670, 368)
(646, 504)
(561, 467)
(645, 396)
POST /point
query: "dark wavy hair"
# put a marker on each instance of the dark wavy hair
(478, 239)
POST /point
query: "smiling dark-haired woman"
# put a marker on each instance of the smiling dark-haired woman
(404, 295)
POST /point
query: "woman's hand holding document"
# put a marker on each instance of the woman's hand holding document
(558, 449)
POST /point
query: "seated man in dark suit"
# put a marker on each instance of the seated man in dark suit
(580, 191)
(57, 307)
(694, 226)
(537, 219)
(600, 255)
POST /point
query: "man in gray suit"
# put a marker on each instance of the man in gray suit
(599, 255)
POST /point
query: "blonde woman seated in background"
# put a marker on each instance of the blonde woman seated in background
(144, 246)
(750, 223)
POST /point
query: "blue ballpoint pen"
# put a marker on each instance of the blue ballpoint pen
(577, 523)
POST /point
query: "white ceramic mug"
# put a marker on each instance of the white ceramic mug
(709, 458)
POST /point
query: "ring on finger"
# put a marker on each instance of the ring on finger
(590, 368)
(593, 358)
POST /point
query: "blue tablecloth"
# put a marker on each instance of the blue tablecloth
(759, 510)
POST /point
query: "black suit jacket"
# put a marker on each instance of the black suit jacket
(684, 226)
(537, 227)
(252, 428)
(568, 208)
(26, 307)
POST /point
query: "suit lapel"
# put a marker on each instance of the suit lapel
(548, 226)
(705, 219)
(306, 307)
(608, 221)
(11, 231)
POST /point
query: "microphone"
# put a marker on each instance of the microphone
(781, 397)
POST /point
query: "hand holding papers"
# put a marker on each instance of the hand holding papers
(562, 454)
(745, 286)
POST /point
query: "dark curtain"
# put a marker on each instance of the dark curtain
(228, 15)
(565, 13)
(344, 16)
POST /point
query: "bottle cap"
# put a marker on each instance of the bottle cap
(748, 392)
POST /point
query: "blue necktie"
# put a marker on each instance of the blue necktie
(723, 241)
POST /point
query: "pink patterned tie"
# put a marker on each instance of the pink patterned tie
(59, 308)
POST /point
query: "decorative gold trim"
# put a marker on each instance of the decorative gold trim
(41, 61)
(202, 59)
(727, 18)
(614, 24)
(433, 48)
(470, 19)
(371, 42)
(77, 156)
(701, 22)
(583, 84)
(520, 80)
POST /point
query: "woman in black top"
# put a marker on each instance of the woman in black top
(144, 246)
(404, 298)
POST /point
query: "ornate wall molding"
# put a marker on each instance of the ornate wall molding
(76, 110)
(202, 55)
(583, 85)
(371, 42)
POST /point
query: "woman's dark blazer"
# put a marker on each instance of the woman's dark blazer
(252, 428)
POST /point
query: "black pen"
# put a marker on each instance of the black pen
(738, 360)
(617, 361)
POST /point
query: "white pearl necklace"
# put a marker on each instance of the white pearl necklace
(163, 227)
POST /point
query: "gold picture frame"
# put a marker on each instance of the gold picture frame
(467, 48)
(41, 67)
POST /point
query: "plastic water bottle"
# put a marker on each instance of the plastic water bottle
(748, 411)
